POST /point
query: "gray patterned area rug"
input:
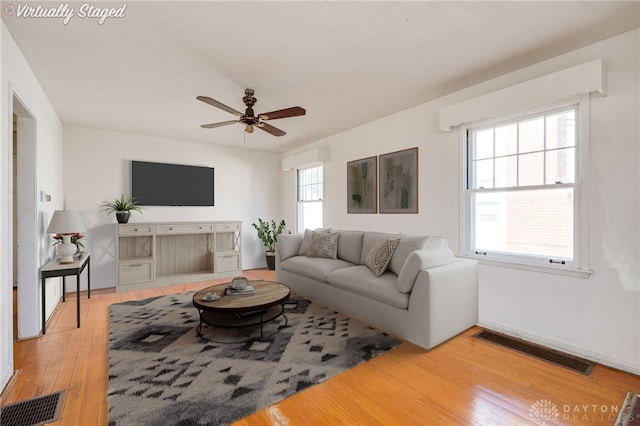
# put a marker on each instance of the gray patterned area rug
(161, 373)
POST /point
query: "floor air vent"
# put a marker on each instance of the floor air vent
(550, 355)
(34, 411)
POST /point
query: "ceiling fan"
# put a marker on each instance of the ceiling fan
(249, 119)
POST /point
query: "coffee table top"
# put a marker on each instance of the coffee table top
(268, 293)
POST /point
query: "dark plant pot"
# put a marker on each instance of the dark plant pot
(271, 261)
(123, 217)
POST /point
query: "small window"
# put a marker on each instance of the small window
(521, 189)
(310, 198)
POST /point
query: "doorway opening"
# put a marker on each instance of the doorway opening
(24, 210)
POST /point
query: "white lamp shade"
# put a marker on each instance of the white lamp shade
(66, 222)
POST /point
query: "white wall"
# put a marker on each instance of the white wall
(18, 80)
(598, 317)
(98, 169)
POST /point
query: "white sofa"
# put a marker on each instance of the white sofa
(425, 297)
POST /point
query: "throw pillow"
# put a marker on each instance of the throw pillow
(380, 255)
(324, 244)
(288, 245)
(306, 241)
(350, 246)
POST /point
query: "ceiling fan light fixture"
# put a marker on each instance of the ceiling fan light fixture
(249, 118)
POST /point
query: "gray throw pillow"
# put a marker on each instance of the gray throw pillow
(306, 241)
(380, 255)
(324, 244)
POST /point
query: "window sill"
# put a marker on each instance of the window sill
(556, 270)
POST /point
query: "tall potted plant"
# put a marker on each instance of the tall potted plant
(268, 233)
(122, 207)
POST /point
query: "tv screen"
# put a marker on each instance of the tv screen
(159, 184)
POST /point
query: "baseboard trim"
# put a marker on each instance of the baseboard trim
(10, 383)
(561, 346)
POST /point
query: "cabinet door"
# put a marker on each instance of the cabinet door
(135, 272)
(227, 263)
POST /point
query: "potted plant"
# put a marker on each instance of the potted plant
(122, 207)
(268, 233)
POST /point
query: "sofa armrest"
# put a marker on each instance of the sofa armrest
(419, 260)
(446, 299)
(288, 245)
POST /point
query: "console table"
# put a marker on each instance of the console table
(55, 269)
(152, 254)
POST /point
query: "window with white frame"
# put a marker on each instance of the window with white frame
(522, 189)
(310, 198)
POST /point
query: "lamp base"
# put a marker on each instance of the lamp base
(66, 250)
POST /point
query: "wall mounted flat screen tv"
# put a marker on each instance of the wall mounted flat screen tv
(160, 184)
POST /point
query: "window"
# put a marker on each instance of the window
(522, 194)
(310, 198)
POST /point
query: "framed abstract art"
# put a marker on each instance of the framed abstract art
(398, 190)
(361, 185)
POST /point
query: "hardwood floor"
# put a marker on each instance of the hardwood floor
(463, 381)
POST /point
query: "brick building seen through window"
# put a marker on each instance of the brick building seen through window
(521, 181)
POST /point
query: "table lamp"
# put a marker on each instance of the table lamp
(66, 223)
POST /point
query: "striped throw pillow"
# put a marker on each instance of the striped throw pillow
(324, 244)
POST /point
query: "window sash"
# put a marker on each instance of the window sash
(506, 224)
(310, 184)
(309, 197)
(506, 155)
(573, 261)
(309, 215)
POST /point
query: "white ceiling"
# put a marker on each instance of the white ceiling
(347, 63)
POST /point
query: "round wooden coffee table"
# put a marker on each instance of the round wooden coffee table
(242, 310)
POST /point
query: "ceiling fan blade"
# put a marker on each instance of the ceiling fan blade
(283, 113)
(270, 129)
(213, 102)
(223, 123)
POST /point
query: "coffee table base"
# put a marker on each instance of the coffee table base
(242, 319)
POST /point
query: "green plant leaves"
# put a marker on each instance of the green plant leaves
(268, 232)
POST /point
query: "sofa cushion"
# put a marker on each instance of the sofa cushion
(369, 240)
(408, 243)
(360, 280)
(436, 243)
(419, 260)
(350, 246)
(380, 255)
(288, 245)
(314, 267)
(324, 244)
(306, 241)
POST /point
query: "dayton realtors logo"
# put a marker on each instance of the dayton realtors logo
(65, 12)
(546, 410)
